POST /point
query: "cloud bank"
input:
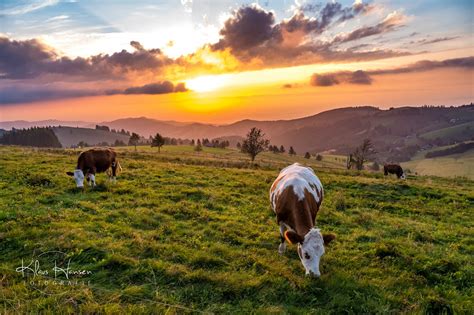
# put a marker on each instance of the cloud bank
(365, 77)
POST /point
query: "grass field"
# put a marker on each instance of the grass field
(184, 232)
(454, 165)
(450, 131)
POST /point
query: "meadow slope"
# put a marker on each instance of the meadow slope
(185, 232)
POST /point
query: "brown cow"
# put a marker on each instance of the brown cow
(296, 196)
(394, 169)
(95, 161)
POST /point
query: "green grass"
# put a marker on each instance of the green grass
(454, 165)
(183, 232)
(449, 132)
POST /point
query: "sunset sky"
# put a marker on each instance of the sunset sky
(221, 61)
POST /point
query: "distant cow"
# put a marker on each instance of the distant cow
(393, 169)
(95, 161)
(296, 196)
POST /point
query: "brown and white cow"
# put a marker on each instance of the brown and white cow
(95, 161)
(296, 196)
(394, 169)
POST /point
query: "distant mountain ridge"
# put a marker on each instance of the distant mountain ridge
(22, 124)
(396, 133)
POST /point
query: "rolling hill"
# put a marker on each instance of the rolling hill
(397, 133)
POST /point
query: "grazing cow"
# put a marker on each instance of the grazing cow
(296, 196)
(95, 161)
(394, 169)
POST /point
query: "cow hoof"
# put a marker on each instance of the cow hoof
(281, 248)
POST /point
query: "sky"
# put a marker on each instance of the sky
(220, 61)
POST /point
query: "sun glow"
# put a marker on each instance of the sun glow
(206, 83)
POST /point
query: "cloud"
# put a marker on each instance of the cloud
(249, 27)
(256, 40)
(153, 88)
(426, 65)
(393, 21)
(26, 8)
(187, 5)
(16, 95)
(427, 41)
(365, 77)
(360, 77)
(335, 78)
(31, 58)
(328, 79)
(22, 93)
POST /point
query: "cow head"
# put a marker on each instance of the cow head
(310, 248)
(78, 177)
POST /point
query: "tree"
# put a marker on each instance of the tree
(158, 141)
(134, 138)
(291, 151)
(319, 157)
(349, 161)
(198, 146)
(307, 155)
(192, 142)
(239, 146)
(363, 153)
(254, 143)
(118, 143)
(282, 149)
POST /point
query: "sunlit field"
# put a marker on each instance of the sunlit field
(184, 231)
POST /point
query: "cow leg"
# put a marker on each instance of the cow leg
(114, 171)
(282, 247)
(91, 176)
(92, 180)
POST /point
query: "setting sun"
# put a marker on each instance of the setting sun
(206, 83)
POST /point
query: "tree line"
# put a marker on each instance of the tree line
(34, 136)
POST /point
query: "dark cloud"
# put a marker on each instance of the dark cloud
(31, 58)
(152, 88)
(365, 77)
(360, 77)
(20, 93)
(16, 95)
(252, 34)
(136, 45)
(335, 78)
(328, 79)
(249, 27)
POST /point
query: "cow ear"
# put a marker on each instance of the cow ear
(328, 238)
(70, 173)
(293, 237)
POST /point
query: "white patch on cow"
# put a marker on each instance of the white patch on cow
(403, 176)
(92, 179)
(311, 250)
(79, 178)
(299, 177)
